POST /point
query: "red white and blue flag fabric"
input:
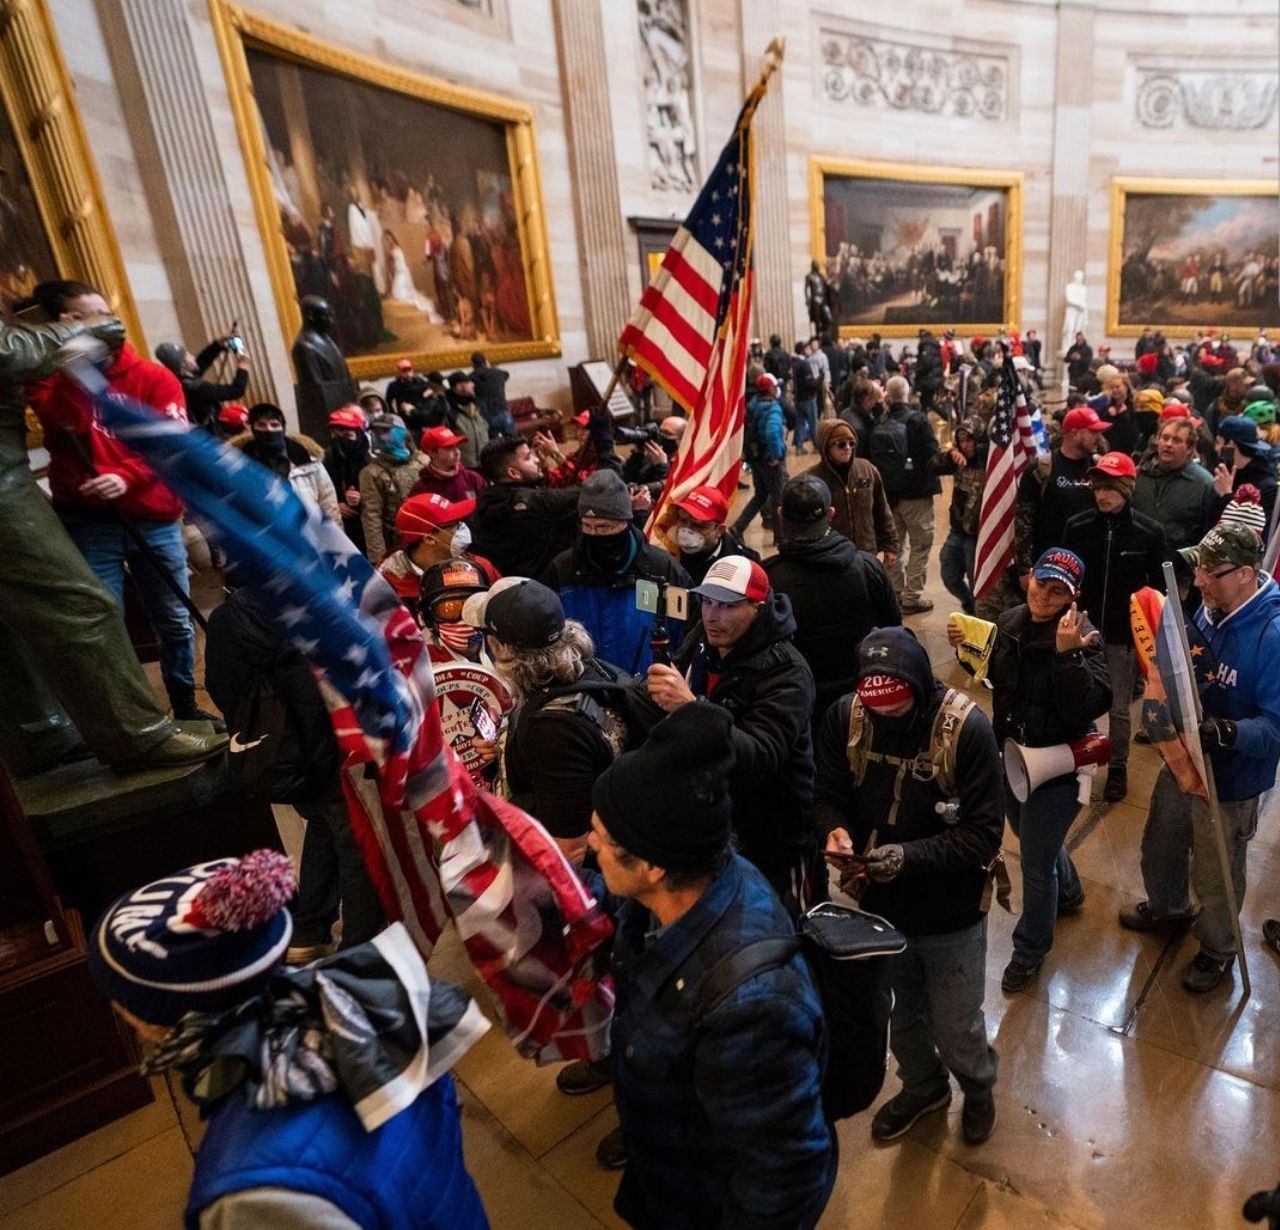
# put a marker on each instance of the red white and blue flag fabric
(1011, 450)
(436, 847)
(690, 331)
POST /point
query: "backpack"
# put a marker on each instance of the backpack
(808, 378)
(752, 443)
(889, 451)
(257, 729)
(845, 950)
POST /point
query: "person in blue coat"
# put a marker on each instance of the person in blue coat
(1235, 644)
(354, 1124)
(720, 1101)
(764, 449)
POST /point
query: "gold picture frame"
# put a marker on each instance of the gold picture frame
(240, 34)
(1171, 285)
(946, 300)
(39, 101)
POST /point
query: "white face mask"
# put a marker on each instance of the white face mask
(690, 540)
(461, 540)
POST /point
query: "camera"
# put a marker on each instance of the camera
(637, 435)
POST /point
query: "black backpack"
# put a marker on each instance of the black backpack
(257, 727)
(752, 445)
(808, 378)
(889, 451)
(846, 951)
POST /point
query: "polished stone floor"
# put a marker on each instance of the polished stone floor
(1123, 1102)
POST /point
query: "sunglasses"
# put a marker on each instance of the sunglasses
(841, 444)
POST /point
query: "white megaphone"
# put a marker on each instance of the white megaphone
(1029, 767)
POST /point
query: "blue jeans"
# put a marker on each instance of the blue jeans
(956, 561)
(1048, 874)
(806, 421)
(769, 481)
(106, 548)
(937, 1024)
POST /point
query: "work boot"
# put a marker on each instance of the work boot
(1117, 783)
(1204, 973)
(185, 709)
(900, 1113)
(1071, 905)
(917, 606)
(978, 1119)
(611, 1152)
(1140, 918)
(177, 750)
(585, 1076)
(1019, 975)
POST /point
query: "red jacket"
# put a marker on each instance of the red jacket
(61, 404)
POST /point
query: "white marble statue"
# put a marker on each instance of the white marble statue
(1076, 317)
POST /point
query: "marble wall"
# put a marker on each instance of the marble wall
(1072, 93)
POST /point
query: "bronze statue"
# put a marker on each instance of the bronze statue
(816, 300)
(65, 654)
(324, 382)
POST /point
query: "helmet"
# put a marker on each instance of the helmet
(451, 578)
(351, 417)
(171, 355)
(1261, 412)
(1259, 392)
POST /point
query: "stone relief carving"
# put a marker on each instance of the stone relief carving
(1220, 99)
(668, 90)
(891, 74)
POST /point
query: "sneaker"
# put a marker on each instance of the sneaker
(1141, 736)
(978, 1119)
(1140, 918)
(1117, 783)
(901, 1112)
(1204, 973)
(611, 1152)
(1271, 934)
(584, 1076)
(917, 606)
(1019, 975)
(1071, 905)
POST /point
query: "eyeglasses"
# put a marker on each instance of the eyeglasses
(1217, 576)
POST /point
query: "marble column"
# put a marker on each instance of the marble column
(774, 310)
(1069, 204)
(602, 239)
(151, 45)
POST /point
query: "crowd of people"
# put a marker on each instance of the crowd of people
(706, 735)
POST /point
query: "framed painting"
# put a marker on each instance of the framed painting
(1193, 254)
(906, 247)
(53, 218)
(413, 205)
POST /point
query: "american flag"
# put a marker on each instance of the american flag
(1011, 450)
(436, 848)
(690, 332)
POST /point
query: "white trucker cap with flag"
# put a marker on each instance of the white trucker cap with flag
(734, 579)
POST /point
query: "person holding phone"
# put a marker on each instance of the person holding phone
(204, 397)
(1243, 457)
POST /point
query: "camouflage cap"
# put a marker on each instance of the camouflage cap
(1236, 545)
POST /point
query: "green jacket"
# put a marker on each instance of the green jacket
(1178, 499)
(27, 353)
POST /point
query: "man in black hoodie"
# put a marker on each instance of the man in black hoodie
(740, 656)
(924, 841)
(838, 593)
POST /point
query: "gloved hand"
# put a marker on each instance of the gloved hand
(1218, 734)
(884, 863)
(107, 329)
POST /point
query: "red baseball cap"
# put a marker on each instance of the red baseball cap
(351, 417)
(766, 382)
(705, 504)
(1083, 418)
(734, 579)
(440, 437)
(582, 419)
(1114, 465)
(420, 514)
(233, 414)
(1175, 410)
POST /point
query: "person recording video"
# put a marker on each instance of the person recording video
(204, 397)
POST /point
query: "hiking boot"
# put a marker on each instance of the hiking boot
(584, 1076)
(1204, 973)
(611, 1152)
(1141, 736)
(1271, 934)
(174, 752)
(917, 606)
(1019, 975)
(900, 1113)
(978, 1119)
(1117, 783)
(1140, 918)
(1071, 905)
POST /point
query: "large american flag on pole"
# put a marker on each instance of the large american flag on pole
(1011, 449)
(690, 331)
(436, 847)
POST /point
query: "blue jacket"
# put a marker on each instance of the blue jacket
(1240, 681)
(770, 427)
(406, 1175)
(724, 1124)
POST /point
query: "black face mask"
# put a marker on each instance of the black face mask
(669, 445)
(609, 552)
(269, 443)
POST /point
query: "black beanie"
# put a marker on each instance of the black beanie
(668, 801)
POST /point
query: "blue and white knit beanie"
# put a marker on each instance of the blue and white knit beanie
(200, 939)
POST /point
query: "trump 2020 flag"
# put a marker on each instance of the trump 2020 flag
(436, 847)
(690, 331)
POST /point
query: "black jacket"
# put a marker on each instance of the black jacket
(243, 643)
(1046, 502)
(777, 362)
(943, 876)
(767, 687)
(929, 366)
(204, 396)
(1261, 472)
(491, 393)
(1043, 697)
(1122, 552)
(838, 594)
(697, 565)
(919, 481)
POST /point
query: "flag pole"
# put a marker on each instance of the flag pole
(1211, 788)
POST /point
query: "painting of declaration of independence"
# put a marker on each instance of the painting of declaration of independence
(1193, 260)
(902, 253)
(397, 210)
(25, 255)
